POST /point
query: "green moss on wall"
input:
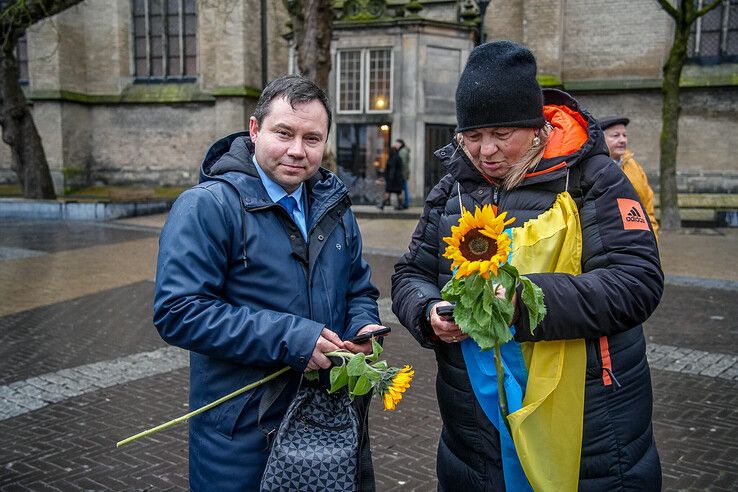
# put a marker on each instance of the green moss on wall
(147, 94)
(548, 80)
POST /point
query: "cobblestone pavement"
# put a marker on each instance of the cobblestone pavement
(82, 367)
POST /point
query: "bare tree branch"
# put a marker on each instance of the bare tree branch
(706, 9)
(669, 8)
(684, 17)
(24, 13)
(16, 120)
(312, 22)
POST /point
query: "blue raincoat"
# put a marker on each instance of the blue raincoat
(239, 287)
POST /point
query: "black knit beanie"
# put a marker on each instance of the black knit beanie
(498, 87)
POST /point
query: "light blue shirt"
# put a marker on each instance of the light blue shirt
(276, 193)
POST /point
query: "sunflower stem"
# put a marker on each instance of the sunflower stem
(500, 370)
(340, 353)
(186, 417)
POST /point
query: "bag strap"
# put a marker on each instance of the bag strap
(272, 391)
(574, 184)
(243, 218)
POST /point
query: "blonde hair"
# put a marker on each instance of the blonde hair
(527, 162)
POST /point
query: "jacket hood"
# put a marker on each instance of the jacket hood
(575, 136)
(231, 153)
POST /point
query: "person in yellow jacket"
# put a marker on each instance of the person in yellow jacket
(616, 137)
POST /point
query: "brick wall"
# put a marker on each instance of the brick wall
(599, 42)
(709, 119)
(86, 51)
(607, 39)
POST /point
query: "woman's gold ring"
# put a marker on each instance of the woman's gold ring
(453, 339)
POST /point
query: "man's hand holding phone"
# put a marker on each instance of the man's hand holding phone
(362, 341)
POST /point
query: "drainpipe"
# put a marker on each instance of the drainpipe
(264, 46)
(483, 4)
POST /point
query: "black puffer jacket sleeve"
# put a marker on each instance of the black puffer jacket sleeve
(415, 281)
(622, 281)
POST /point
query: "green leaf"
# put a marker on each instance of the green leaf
(475, 284)
(357, 365)
(488, 321)
(474, 287)
(339, 378)
(373, 376)
(462, 315)
(376, 350)
(509, 281)
(351, 385)
(311, 375)
(362, 386)
(380, 366)
(533, 300)
(510, 270)
(487, 301)
(452, 290)
(506, 310)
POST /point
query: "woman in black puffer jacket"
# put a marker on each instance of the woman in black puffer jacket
(519, 148)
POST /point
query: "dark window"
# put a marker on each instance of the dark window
(436, 136)
(362, 152)
(714, 37)
(21, 56)
(165, 39)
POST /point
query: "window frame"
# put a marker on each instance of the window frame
(21, 59)
(365, 80)
(695, 37)
(181, 15)
(339, 57)
(368, 80)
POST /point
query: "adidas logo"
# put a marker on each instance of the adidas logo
(635, 216)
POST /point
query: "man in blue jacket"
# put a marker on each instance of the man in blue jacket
(260, 267)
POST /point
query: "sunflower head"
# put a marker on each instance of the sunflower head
(478, 243)
(395, 386)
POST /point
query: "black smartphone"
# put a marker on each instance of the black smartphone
(446, 311)
(366, 336)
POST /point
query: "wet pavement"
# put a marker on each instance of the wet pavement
(81, 365)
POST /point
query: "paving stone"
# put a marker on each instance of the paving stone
(51, 236)
(685, 318)
(720, 366)
(69, 445)
(98, 327)
(23, 396)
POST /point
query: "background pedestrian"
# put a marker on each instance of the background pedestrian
(404, 152)
(616, 137)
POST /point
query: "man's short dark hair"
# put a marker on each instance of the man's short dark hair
(401, 142)
(295, 89)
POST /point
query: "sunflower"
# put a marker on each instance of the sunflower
(478, 244)
(400, 382)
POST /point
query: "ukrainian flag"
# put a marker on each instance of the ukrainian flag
(544, 381)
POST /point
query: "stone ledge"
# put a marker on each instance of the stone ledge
(716, 201)
(19, 208)
(143, 93)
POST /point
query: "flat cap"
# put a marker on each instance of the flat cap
(608, 121)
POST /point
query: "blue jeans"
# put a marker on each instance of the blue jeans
(405, 194)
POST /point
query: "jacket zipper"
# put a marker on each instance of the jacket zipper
(308, 273)
(608, 377)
